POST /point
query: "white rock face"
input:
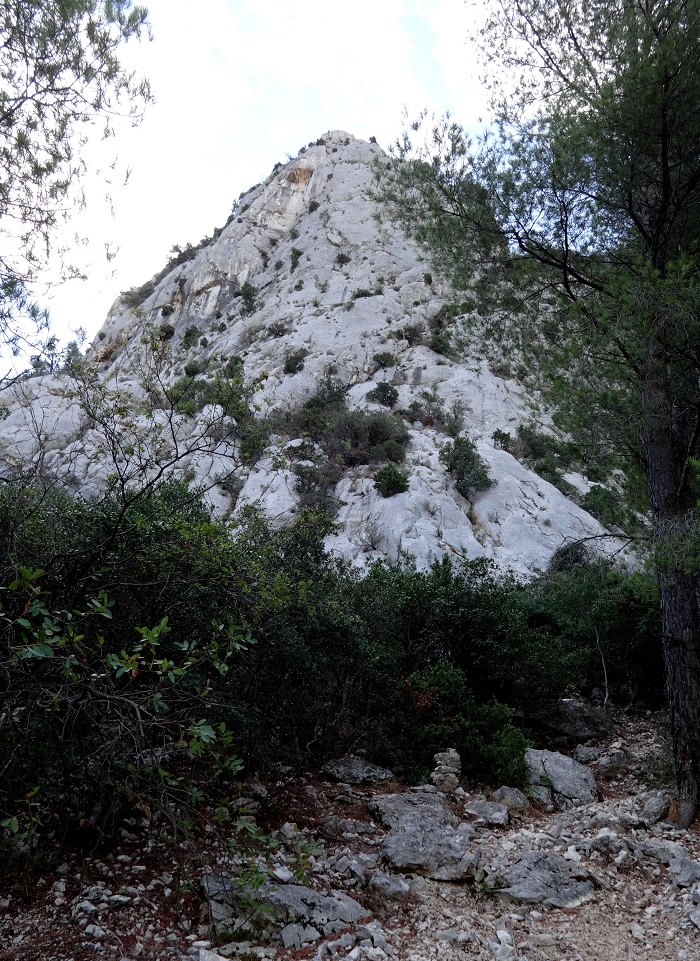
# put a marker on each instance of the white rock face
(307, 240)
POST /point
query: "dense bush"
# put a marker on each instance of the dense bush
(384, 393)
(137, 629)
(390, 480)
(463, 461)
(348, 437)
(294, 360)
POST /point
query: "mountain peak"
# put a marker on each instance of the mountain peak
(306, 286)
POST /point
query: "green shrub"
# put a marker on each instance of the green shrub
(443, 711)
(390, 480)
(314, 487)
(346, 437)
(342, 259)
(385, 359)
(610, 617)
(384, 394)
(294, 360)
(277, 329)
(464, 462)
(166, 332)
(606, 506)
(191, 336)
(295, 258)
(431, 412)
(313, 206)
(502, 439)
(248, 293)
(193, 368)
(413, 333)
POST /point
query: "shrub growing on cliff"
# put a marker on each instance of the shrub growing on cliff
(384, 393)
(463, 461)
(390, 480)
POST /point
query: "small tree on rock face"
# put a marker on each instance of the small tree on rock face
(576, 222)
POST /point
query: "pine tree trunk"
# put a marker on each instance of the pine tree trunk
(682, 660)
(665, 457)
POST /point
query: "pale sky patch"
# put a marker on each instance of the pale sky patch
(239, 86)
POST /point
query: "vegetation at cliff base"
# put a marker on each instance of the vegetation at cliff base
(138, 644)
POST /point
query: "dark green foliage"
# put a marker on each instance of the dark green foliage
(191, 335)
(606, 505)
(502, 439)
(315, 484)
(166, 332)
(248, 293)
(277, 329)
(96, 691)
(363, 292)
(225, 388)
(547, 455)
(313, 206)
(612, 618)
(346, 437)
(294, 360)
(431, 412)
(440, 340)
(463, 461)
(384, 393)
(164, 597)
(295, 258)
(342, 259)
(390, 480)
(385, 359)
(193, 368)
(413, 333)
(441, 709)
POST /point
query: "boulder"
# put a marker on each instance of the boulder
(656, 807)
(559, 779)
(352, 769)
(542, 878)
(488, 811)
(390, 886)
(513, 798)
(291, 914)
(685, 872)
(425, 837)
(586, 753)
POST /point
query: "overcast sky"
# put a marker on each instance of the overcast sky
(239, 86)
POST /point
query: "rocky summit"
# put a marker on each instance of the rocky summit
(304, 286)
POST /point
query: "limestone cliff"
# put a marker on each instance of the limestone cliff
(304, 282)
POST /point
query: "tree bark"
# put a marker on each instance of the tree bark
(682, 660)
(665, 457)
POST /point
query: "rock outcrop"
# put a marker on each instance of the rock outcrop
(303, 283)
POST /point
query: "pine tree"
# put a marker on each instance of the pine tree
(575, 223)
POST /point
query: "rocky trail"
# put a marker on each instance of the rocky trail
(594, 869)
